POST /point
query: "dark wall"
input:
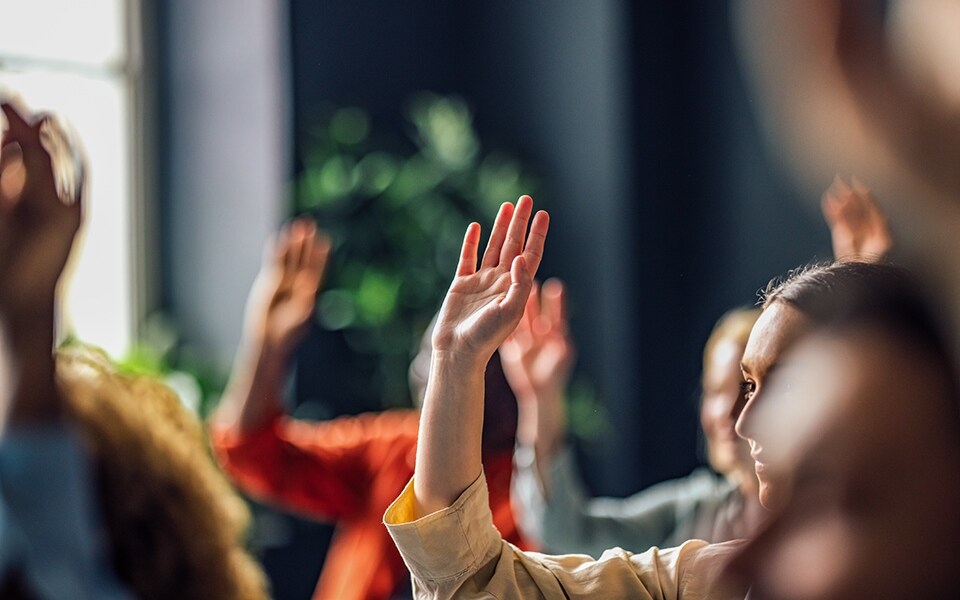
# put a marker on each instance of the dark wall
(547, 81)
(714, 215)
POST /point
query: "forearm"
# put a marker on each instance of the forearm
(255, 389)
(541, 426)
(451, 426)
(29, 392)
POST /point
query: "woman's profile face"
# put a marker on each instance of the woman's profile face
(720, 407)
(776, 330)
(866, 432)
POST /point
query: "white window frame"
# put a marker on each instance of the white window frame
(105, 303)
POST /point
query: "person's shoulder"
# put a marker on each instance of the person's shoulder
(399, 420)
(709, 481)
(391, 424)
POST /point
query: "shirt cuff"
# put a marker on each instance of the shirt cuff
(451, 543)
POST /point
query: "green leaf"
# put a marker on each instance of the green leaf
(349, 126)
(375, 172)
(377, 296)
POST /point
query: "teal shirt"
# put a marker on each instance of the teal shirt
(49, 526)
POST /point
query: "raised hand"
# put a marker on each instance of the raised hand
(537, 360)
(37, 229)
(279, 310)
(282, 299)
(858, 228)
(538, 356)
(37, 226)
(483, 305)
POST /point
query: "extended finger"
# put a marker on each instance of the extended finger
(468, 253)
(17, 125)
(533, 251)
(80, 183)
(320, 255)
(39, 162)
(519, 291)
(517, 231)
(78, 206)
(531, 311)
(309, 239)
(832, 199)
(554, 303)
(491, 256)
(297, 234)
(282, 250)
(13, 175)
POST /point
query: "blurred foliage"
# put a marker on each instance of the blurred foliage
(397, 210)
(587, 417)
(161, 352)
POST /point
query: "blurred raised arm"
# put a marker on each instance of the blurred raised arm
(37, 230)
(537, 360)
(278, 313)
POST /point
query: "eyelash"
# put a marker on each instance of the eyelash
(747, 389)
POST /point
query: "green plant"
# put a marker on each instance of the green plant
(397, 218)
(162, 353)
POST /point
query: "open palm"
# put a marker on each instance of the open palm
(484, 304)
(858, 228)
(538, 356)
(282, 300)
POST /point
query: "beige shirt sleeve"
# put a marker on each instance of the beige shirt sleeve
(458, 553)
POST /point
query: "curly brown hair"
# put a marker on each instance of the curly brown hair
(174, 525)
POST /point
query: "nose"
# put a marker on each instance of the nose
(744, 425)
(736, 406)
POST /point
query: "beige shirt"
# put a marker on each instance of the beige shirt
(458, 553)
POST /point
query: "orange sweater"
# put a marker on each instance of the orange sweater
(348, 471)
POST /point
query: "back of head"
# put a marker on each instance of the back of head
(822, 291)
(733, 326)
(845, 295)
(175, 526)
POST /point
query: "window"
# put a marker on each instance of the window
(81, 60)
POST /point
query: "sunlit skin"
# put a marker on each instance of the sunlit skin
(482, 307)
(776, 330)
(873, 511)
(719, 409)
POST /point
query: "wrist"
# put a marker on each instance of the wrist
(28, 331)
(267, 356)
(457, 363)
(27, 367)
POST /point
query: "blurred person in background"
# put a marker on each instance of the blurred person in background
(107, 487)
(348, 469)
(551, 500)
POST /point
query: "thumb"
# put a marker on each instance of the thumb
(520, 284)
